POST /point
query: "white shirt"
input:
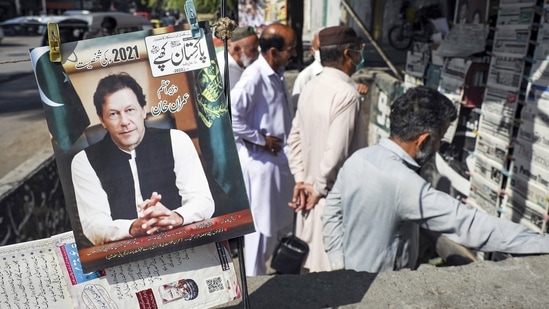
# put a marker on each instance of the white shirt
(93, 206)
(235, 71)
(260, 104)
(260, 107)
(305, 76)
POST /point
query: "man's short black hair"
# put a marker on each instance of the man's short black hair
(333, 53)
(421, 110)
(112, 83)
(266, 41)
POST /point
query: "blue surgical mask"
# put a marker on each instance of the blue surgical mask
(360, 64)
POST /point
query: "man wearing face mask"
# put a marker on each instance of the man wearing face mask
(378, 203)
(325, 131)
(313, 70)
(243, 51)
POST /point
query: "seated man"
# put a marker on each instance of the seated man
(136, 181)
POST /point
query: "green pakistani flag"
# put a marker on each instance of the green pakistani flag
(216, 137)
(65, 114)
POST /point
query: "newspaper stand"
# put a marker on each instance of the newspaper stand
(502, 97)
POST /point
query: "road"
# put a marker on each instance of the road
(23, 129)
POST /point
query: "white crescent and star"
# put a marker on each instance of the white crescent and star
(36, 54)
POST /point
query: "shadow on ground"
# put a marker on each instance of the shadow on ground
(315, 290)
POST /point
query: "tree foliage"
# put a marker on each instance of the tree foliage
(202, 6)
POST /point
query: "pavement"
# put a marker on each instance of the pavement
(518, 282)
(23, 129)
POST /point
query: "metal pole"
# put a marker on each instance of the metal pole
(18, 7)
(371, 39)
(239, 239)
(242, 265)
(227, 85)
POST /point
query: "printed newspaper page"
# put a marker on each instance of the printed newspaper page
(30, 277)
(199, 277)
(464, 40)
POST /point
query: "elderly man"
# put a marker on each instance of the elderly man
(243, 51)
(373, 213)
(314, 69)
(262, 119)
(324, 133)
(136, 181)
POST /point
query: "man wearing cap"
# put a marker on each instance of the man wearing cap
(242, 52)
(262, 118)
(325, 131)
(313, 70)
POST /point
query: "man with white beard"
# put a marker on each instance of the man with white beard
(243, 51)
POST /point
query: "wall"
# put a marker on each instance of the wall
(32, 205)
(363, 9)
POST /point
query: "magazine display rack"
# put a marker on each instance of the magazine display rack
(527, 186)
(501, 92)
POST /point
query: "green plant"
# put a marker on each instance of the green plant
(202, 6)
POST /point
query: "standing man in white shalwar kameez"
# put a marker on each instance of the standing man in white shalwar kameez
(262, 117)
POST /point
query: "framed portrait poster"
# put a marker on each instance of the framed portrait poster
(471, 12)
(143, 143)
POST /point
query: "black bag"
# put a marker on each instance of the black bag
(289, 254)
